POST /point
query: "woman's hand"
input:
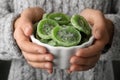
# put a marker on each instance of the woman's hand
(37, 56)
(102, 30)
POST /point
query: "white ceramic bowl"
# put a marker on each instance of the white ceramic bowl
(62, 54)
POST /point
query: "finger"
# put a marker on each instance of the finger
(42, 65)
(25, 44)
(80, 68)
(91, 50)
(32, 47)
(36, 57)
(84, 61)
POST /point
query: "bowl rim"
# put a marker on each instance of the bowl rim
(34, 40)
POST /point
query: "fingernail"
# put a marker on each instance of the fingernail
(78, 53)
(28, 31)
(39, 51)
(72, 60)
(42, 50)
(47, 58)
(47, 65)
(98, 34)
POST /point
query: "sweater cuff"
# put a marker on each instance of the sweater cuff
(8, 46)
(116, 22)
(114, 51)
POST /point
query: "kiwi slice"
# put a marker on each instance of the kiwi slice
(81, 24)
(44, 28)
(66, 37)
(60, 18)
(45, 16)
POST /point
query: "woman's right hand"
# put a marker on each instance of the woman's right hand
(37, 56)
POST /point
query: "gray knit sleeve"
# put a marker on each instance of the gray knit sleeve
(8, 46)
(114, 51)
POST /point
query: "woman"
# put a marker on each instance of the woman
(29, 59)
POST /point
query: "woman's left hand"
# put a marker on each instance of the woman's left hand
(102, 30)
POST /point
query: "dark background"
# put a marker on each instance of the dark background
(4, 69)
(5, 66)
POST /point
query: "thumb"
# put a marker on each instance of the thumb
(28, 30)
(97, 32)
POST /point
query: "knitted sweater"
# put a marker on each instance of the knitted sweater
(21, 70)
